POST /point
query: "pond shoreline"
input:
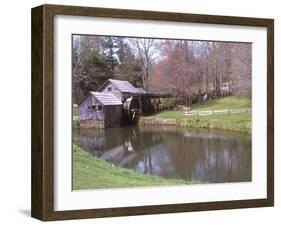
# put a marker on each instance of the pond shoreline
(192, 122)
(157, 121)
(90, 172)
(232, 123)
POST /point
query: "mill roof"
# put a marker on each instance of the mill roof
(106, 98)
(123, 86)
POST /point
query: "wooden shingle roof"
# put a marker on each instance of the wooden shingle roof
(106, 98)
(123, 86)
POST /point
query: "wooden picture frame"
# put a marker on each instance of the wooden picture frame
(42, 203)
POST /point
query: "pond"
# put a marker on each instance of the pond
(192, 154)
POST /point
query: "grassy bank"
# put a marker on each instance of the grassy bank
(75, 117)
(75, 112)
(234, 122)
(90, 172)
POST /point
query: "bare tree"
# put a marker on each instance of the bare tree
(242, 68)
(80, 45)
(146, 50)
(187, 63)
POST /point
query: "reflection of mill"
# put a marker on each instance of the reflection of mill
(121, 148)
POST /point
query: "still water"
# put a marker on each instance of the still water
(170, 152)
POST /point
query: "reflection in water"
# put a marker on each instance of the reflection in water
(209, 156)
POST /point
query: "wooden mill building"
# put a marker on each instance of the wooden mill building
(114, 104)
(100, 110)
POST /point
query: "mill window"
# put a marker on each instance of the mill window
(92, 108)
(99, 107)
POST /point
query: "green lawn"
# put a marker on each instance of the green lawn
(235, 122)
(90, 172)
(223, 103)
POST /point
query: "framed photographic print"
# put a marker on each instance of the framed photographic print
(141, 112)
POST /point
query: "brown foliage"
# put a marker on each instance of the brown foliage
(191, 69)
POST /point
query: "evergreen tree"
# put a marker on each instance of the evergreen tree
(129, 66)
(110, 48)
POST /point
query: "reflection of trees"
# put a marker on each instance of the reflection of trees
(173, 153)
(213, 159)
(187, 155)
(147, 162)
(145, 146)
(226, 160)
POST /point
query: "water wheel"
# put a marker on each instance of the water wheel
(131, 108)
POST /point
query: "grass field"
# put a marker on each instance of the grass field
(234, 122)
(90, 172)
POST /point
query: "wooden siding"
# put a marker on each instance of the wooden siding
(113, 115)
(85, 114)
(110, 114)
(114, 91)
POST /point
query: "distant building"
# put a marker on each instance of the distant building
(225, 88)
